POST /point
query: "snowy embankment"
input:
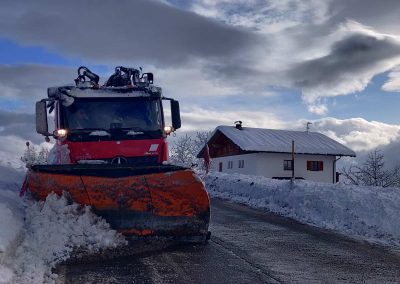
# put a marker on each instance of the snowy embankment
(12, 217)
(36, 236)
(367, 213)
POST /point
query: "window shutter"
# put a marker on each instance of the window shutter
(309, 166)
(321, 165)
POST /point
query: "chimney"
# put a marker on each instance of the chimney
(308, 126)
(238, 125)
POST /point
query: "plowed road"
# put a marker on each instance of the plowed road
(247, 246)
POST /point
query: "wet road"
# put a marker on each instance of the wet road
(247, 246)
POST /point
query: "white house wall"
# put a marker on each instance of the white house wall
(271, 165)
(250, 164)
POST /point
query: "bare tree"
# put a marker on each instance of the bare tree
(183, 151)
(372, 172)
(186, 148)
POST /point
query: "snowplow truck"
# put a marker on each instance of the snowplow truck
(111, 153)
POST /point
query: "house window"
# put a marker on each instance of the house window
(230, 164)
(287, 165)
(241, 164)
(315, 165)
(220, 167)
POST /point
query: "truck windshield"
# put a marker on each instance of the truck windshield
(137, 114)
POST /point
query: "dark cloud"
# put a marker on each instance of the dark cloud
(21, 125)
(121, 31)
(382, 15)
(352, 54)
(356, 56)
(30, 82)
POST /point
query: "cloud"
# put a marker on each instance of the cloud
(11, 151)
(15, 130)
(390, 153)
(20, 125)
(319, 109)
(192, 83)
(324, 48)
(220, 48)
(393, 83)
(357, 133)
(194, 118)
(382, 15)
(28, 83)
(267, 16)
(349, 66)
(137, 32)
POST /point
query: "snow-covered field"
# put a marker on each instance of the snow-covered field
(367, 213)
(35, 236)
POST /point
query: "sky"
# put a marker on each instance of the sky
(269, 63)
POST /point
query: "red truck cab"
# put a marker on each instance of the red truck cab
(110, 125)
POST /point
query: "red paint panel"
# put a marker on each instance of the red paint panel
(110, 149)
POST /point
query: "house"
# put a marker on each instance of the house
(268, 153)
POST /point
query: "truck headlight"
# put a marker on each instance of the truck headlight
(61, 133)
(168, 130)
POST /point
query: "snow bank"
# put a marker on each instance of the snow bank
(12, 217)
(368, 213)
(53, 230)
(36, 236)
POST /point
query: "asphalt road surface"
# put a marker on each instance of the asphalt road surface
(246, 246)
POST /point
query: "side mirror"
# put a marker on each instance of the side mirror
(41, 118)
(175, 114)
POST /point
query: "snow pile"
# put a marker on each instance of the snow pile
(11, 221)
(10, 178)
(36, 236)
(54, 229)
(12, 217)
(368, 213)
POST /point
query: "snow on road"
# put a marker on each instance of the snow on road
(36, 236)
(367, 213)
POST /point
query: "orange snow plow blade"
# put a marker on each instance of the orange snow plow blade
(160, 200)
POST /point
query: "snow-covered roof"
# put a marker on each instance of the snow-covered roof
(280, 141)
